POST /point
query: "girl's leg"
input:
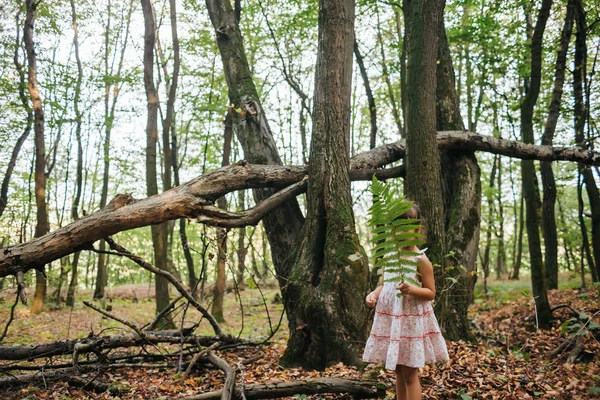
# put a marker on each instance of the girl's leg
(412, 382)
(400, 384)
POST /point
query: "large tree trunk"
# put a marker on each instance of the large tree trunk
(328, 318)
(461, 190)
(530, 185)
(423, 181)
(548, 182)
(42, 224)
(159, 232)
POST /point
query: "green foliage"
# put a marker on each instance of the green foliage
(392, 235)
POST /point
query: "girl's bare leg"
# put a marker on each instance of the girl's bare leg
(412, 382)
(400, 384)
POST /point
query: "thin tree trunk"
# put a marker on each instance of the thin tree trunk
(79, 184)
(328, 320)
(221, 281)
(42, 224)
(242, 250)
(29, 121)
(109, 118)
(490, 221)
(548, 182)
(530, 185)
(501, 256)
(387, 80)
(585, 244)
(581, 116)
(369, 92)
(159, 232)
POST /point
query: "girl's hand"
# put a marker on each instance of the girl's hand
(405, 288)
(372, 299)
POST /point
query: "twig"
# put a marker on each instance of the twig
(165, 274)
(111, 316)
(152, 325)
(195, 359)
(12, 315)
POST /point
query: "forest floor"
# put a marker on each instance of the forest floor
(510, 358)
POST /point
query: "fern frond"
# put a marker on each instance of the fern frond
(391, 235)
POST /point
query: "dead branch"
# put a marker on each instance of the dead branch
(273, 390)
(195, 198)
(111, 316)
(12, 316)
(195, 360)
(97, 343)
(178, 285)
(152, 325)
(229, 386)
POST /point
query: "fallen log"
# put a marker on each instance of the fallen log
(195, 198)
(97, 344)
(274, 390)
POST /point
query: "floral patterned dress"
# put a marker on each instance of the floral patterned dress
(405, 330)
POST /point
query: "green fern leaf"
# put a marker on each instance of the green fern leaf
(391, 235)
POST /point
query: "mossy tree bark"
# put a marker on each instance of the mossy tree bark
(461, 190)
(328, 320)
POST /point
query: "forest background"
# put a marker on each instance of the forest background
(90, 72)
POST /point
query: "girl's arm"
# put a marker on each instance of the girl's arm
(372, 297)
(427, 291)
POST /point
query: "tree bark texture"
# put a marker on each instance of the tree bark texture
(328, 318)
(221, 280)
(423, 182)
(42, 223)
(461, 190)
(581, 114)
(548, 182)
(277, 390)
(530, 185)
(159, 232)
(283, 226)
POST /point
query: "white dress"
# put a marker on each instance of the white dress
(405, 330)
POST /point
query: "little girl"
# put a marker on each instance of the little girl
(405, 333)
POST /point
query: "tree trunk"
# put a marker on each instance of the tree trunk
(159, 232)
(519, 239)
(530, 185)
(548, 182)
(423, 182)
(461, 191)
(328, 318)
(29, 121)
(42, 224)
(79, 184)
(242, 250)
(581, 116)
(370, 98)
(221, 280)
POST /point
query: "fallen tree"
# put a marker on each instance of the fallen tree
(276, 390)
(195, 198)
